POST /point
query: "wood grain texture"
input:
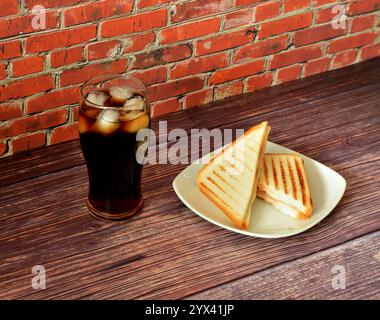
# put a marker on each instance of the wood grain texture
(312, 277)
(167, 251)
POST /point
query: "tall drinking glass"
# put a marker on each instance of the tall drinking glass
(113, 109)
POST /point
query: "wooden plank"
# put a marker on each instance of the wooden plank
(166, 252)
(313, 277)
(54, 158)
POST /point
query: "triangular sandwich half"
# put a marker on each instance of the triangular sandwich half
(230, 179)
(283, 183)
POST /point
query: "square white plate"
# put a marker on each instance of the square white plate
(327, 188)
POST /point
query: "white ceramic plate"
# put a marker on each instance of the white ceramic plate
(327, 188)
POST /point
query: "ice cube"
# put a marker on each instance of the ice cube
(135, 125)
(84, 124)
(120, 95)
(97, 97)
(130, 115)
(107, 122)
(136, 103)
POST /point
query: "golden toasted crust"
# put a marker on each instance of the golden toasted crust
(216, 200)
(227, 211)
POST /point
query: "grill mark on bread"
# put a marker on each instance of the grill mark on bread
(221, 189)
(238, 159)
(224, 170)
(225, 181)
(238, 168)
(292, 179)
(215, 195)
(216, 185)
(302, 181)
(266, 172)
(253, 150)
(283, 177)
(274, 174)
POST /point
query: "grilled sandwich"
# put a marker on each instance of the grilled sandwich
(283, 183)
(230, 179)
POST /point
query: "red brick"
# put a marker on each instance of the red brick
(316, 66)
(3, 148)
(342, 59)
(350, 42)
(136, 23)
(238, 18)
(190, 30)
(53, 99)
(261, 48)
(174, 88)
(324, 15)
(199, 65)
(369, 52)
(259, 81)
(289, 74)
(52, 3)
(267, 10)
(10, 110)
(164, 107)
(8, 8)
(3, 71)
(26, 87)
(33, 123)
(139, 42)
(291, 5)
(362, 6)
(23, 24)
(60, 39)
(105, 49)
(10, 49)
(228, 90)
(66, 57)
(318, 3)
(28, 142)
(224, 41)
(247, 2)
(287, 24)
(64, 133)
(198, 98)
(74, 111)
(362, 23)
(152, 75)
(316, 34)
(82, 74)
(150, 3)
(236, 72)
(162, 56)
(199, 8)
(295, 56)
(28, 65)
(95, 10)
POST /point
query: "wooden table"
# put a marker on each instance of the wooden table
(168, 251)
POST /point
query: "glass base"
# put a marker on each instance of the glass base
(106, 216)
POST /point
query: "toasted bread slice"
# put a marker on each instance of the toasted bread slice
(283, 183)
(230, 179)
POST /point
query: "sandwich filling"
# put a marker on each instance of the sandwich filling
(282, 206)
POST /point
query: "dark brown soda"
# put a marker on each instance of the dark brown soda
(114, 173)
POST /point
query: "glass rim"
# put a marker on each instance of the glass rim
(110, 77)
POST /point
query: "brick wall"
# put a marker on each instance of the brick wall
(189, 53)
